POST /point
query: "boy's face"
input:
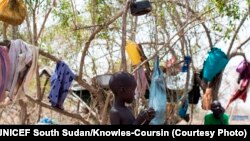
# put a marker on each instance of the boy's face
(129, 93)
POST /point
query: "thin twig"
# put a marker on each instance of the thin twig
(236, 32)
(157, 51)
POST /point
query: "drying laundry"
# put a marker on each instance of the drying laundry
(4, 65)
(23, 65)
(60, 83)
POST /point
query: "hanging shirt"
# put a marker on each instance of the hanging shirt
(23, 65)
(60, 83)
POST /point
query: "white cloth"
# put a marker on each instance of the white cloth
(178, 81)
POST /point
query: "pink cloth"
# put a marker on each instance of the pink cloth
(244, 70)
(4, 65)
(142, 82)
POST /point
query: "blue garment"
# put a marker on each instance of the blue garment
(187, 61)
(183, 109)
(60, 83)
(46, 121)
(157, 97)
(214, 64)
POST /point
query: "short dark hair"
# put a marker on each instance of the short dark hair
(121, 79)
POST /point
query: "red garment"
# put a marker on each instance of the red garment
(240, 93)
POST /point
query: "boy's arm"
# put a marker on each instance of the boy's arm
(115, 118)
(140, 119)
(145, 117)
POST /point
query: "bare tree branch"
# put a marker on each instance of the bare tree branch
(124, 34)
(45, 20)
(169, 40)
(236, 32)
(237, 54)
(92, 37)
(72, 115)
(243, 43)
(195, 13)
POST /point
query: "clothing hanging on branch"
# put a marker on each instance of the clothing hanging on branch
(4, 70)
(23, 65)
(142, 82)
(207, 99)
(244, 76)
(60, 83)
(214, 64)
(157, 97)
(12, 11)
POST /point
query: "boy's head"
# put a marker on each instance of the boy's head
(217, 109)
(123, 85)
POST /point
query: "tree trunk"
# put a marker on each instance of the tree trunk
(5, 27)
(14, 32)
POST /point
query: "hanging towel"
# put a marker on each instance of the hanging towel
(60, 83)
(142, 82)
(157, 97)
(23, 65)
(214, 64)
(4, 70)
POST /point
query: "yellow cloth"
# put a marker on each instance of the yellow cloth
(133, 52)
(12, 11)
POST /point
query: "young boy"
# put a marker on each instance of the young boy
(123, 86)
(218, 115)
